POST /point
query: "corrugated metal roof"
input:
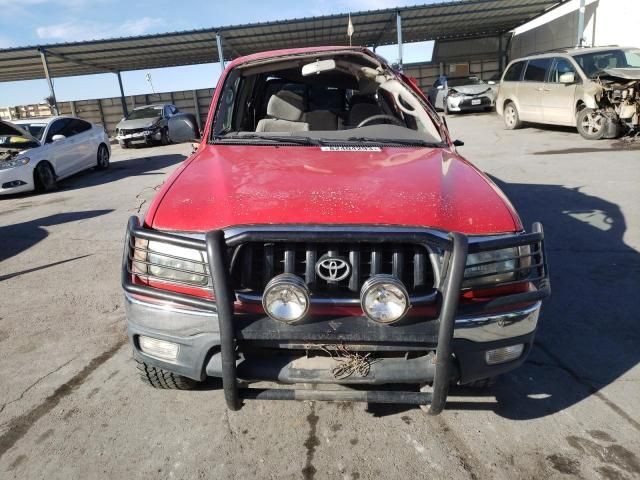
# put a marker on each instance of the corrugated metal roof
(436, 21)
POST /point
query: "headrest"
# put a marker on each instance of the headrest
(286, 105)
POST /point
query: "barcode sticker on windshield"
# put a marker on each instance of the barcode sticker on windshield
(350, 148)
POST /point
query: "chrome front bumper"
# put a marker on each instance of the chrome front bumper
(499, 326)
(181, 325)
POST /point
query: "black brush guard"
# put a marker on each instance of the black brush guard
(455, 245)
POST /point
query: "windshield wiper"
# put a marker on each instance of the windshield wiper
(396, 141)
(273, 138)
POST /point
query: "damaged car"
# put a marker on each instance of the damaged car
(595, 89)
(462, 94)
(146, 125)
(36, 153)
(327, 238)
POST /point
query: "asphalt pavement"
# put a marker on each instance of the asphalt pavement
(71, 405)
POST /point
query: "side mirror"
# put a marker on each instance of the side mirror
(440, 87)
(183, 128)
(57, 138)
(458, 143)
(568, 78)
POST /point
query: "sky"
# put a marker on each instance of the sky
(36, 22)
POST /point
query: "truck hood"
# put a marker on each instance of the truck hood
(228, 185)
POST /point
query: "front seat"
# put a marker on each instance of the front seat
(284, 114)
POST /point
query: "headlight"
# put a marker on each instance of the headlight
(286, 298)
(384, 299)
(493, 267)
(14, 162)
(453, 93)
(169, 262)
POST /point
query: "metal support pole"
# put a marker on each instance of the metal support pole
(45, 65)
(220, 51)
(581, 10)
(123, 100)
(399, 30)
(196, 107)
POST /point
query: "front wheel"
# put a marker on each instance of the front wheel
(511, 116)
(159, 378)
(103, 157)
(164, 137)
(591, 124)
(44, 178)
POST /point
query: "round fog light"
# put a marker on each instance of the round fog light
(384, 299)
(286, 298)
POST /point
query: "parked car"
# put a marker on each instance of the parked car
(462, 94)
(146, 125)
(596, 90)
(326, 231)
(36, 153)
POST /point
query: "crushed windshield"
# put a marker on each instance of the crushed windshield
(594, 63)
(146, 112)
(342, 96)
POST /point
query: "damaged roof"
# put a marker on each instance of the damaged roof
(435, 21)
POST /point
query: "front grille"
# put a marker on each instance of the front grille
(254, 264)
(132, 130)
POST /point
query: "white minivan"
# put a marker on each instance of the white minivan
(595, 89)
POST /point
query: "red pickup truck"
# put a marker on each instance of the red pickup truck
(327, 238)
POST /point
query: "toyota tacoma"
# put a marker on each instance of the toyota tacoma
(325, 241)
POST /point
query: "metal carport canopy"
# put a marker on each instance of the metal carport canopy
(436, 21)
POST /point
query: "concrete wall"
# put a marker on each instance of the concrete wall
(607, 22)
(108, 111)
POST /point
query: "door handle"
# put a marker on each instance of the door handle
(542, 89)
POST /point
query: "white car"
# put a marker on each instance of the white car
(36, 153)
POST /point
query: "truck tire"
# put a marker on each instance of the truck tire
(511, 116)
(164, 137)
(591, 124)
(159, 378)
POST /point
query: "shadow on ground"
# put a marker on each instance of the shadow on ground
(133, 167)
(589, 333)
(19, 237)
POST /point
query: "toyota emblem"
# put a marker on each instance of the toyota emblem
(333, 269)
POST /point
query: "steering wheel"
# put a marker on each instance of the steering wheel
(373, 118)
